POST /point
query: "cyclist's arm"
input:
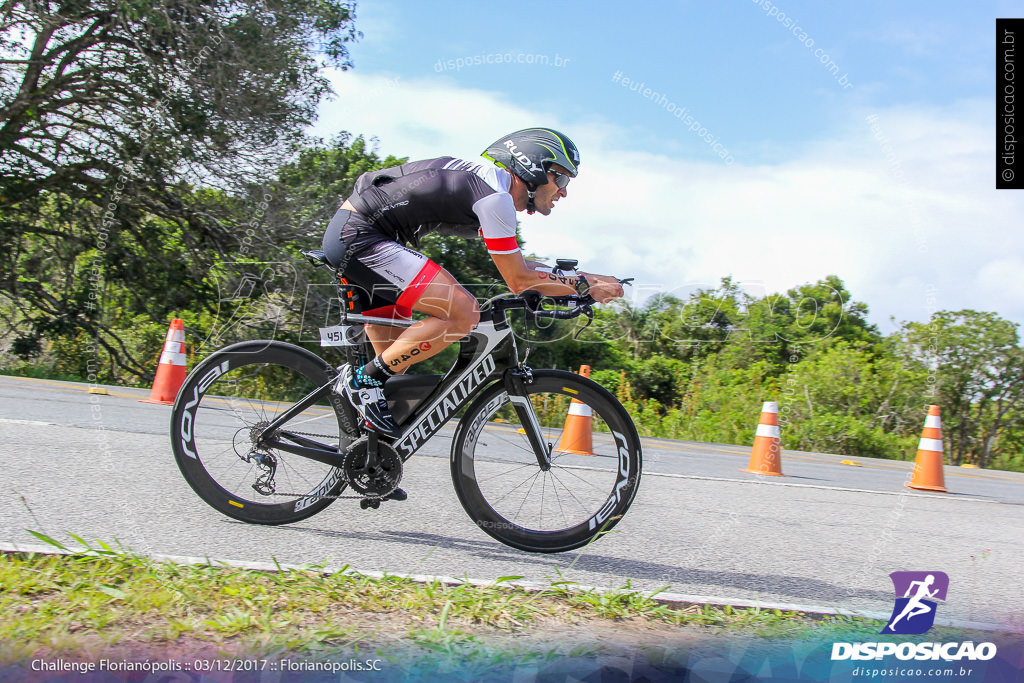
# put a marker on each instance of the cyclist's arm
(498, 228)
(521, 275)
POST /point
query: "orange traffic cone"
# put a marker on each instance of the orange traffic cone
(928, 474)
(170, 373)
(577, 435)
(765, 458)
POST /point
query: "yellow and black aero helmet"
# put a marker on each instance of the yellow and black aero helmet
(529, 153)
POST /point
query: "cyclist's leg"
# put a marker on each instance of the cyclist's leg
(443, 299)
(393, 281)
(371, 291)
(453, 313)
(382, 336)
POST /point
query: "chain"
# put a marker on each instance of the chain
(333, 498)
(323, 496)
(310, 495)
(322, 436)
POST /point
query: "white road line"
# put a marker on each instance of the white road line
(6, 420)
(538, 586)
(772, 483)
(819, 486)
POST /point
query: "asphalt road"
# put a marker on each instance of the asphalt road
(826, 535)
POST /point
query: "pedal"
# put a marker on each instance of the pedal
(367, 503)
(397, 494)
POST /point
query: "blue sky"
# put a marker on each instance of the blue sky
(847, 138)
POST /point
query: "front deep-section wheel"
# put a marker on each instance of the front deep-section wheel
(595, 464)
(220, 413)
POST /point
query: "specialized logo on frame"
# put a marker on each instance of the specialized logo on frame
(916, 595)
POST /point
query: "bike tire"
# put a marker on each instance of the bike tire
(496, 475)
(224, 399)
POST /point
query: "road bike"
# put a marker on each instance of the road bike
(260, 434)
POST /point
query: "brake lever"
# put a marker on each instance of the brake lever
(627, 281)
(589, 312)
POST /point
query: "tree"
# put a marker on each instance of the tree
(204, 88)
(783, 328)
(826, 310)
(309, 189)
(702, 324)
(977, 376)
(124, 129)
(847, 398)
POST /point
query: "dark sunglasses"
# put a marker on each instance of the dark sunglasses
(561, 179)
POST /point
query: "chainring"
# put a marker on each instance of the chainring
(377, 483)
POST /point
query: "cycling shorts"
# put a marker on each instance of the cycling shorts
(388, 277)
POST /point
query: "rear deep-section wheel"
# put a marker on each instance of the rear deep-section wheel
(218, 419)
(595, 464)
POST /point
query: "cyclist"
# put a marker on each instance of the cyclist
(396, 206)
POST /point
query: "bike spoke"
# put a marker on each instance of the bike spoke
(230, 414)
(552, 508)
(516, 487)
(568, 490)
(507, 472)
(526, 496)
(543, 490)
(558, 500)
(585, 481)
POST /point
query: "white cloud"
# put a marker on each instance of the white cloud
(895, 205)
(999, 280)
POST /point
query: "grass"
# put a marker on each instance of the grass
(89, 602)
(40, 372)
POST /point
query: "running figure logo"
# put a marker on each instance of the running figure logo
(914, 612)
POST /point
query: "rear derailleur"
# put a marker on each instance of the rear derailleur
(267, 463)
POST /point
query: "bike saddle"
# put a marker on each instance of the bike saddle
(317, 257)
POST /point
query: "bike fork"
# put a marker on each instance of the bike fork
(515, 380)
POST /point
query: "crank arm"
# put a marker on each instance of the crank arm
(371, 451)
(515, 385)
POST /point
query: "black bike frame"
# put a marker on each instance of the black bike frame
(487, 354)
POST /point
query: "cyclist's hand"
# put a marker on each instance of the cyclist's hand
(604, 288)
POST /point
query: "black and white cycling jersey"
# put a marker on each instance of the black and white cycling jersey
(446, 195)
(398, 206)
